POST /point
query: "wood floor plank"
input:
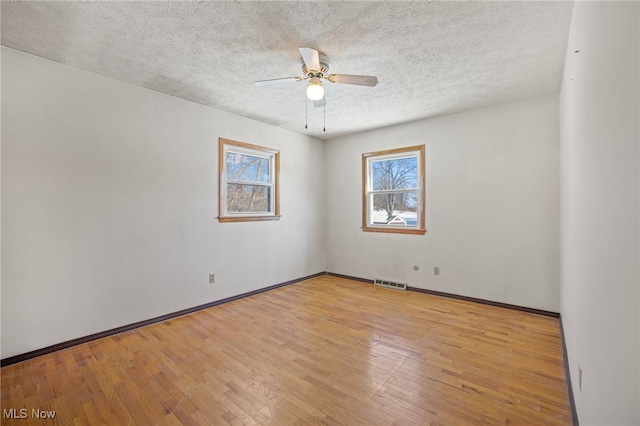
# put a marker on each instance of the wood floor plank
(324, 351)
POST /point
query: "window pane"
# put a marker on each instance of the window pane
(247, 167)
(248, 198)
(396, 209)
(401, 173)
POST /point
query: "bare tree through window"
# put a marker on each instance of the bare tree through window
(250, 195)
(395, 174)
(249, 180)
(393, 191)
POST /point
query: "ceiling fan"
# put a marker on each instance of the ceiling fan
(315, 66)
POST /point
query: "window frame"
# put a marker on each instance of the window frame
(273, 155)
(367, 189)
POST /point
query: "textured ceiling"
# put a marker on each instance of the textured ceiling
(431, 58)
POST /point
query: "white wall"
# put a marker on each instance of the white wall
(600, 292)
(109, 205)
(492, 199)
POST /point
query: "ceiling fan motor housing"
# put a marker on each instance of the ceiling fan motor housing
(324, 67)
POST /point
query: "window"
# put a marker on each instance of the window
(393, 191)
(248, 182)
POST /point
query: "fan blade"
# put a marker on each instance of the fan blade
(310, 58)
(277, 81)
(362, 80)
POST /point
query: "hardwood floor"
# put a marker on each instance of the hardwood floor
(323, 351)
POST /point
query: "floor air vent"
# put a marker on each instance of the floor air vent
(390, 284)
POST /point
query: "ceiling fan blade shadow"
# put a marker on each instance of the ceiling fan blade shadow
(275, 81)
(310, 57)
(361, 80)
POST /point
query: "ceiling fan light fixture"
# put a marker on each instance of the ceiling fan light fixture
(315, 90)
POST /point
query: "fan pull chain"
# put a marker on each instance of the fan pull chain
(324, 115)
(306, 103)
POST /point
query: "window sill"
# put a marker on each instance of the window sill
(412, 231)
(247, 218)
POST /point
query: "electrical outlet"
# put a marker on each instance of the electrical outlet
(212, 278)
(436, 270)
(580, 377)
